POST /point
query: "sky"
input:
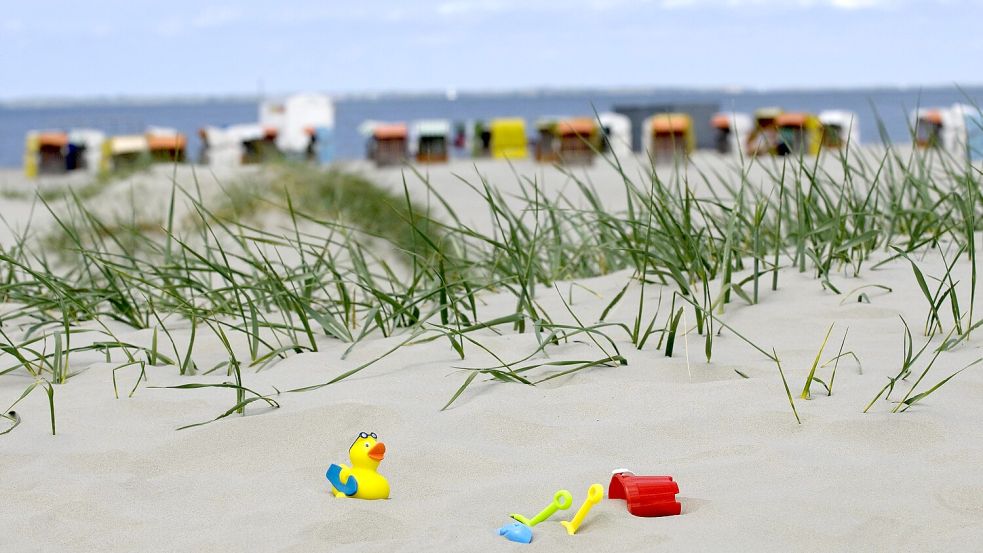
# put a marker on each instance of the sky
(65, 49)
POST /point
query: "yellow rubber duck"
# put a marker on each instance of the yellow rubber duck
(361, 480)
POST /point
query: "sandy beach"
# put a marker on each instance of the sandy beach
(119, 476)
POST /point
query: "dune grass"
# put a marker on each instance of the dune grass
(345, 260)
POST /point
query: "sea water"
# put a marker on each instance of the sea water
(883, 112)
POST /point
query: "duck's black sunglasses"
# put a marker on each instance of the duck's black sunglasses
(362, 435)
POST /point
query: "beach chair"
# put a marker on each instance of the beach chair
(578, 140)
(840, 129)
(799, 134)
(547, 147)
(731, 131)
(615, 134)
(125, 152)
(431, 140)
(166, 145)
(45, 152)
(85, 149)
(670, 135)
(763, 139)
(507, 138)
(931, 128)
(388, 144)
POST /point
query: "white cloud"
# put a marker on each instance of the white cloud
(838, 4)
(216, 16)
(208, 18)
(674, 4)
(461, 8)
(170, 27)
(11, 26)
(858, 4)
(101, 29)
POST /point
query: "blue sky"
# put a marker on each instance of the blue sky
(135, 47)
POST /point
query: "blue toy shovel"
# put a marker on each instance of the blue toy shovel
(334, 476)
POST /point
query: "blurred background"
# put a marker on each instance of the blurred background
(130, 67)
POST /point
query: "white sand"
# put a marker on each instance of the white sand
(118, 477)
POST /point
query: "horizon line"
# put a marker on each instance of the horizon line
(450, 93)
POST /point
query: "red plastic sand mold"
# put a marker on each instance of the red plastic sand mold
(647, 496)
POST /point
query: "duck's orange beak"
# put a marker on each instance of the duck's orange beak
(378, 451)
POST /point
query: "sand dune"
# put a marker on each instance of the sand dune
(119, 477)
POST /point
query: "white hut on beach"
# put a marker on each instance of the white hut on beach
(237, 145)
(732, 130)
(952, 129)
(85, 150)
(615, 134)
(969, 129)
(841, 129)
(936, 128)
(217, 149)
(300, 121)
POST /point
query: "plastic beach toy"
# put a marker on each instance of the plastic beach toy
(647, 496)
(594, 496)
(562, 500)
(361, 480)
(517, 532)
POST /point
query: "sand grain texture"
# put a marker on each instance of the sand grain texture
(118, 477)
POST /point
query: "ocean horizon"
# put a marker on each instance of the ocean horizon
(883, 111)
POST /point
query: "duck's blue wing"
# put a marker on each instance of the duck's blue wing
(334, 476)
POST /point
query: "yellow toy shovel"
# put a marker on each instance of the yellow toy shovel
(594, 496)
